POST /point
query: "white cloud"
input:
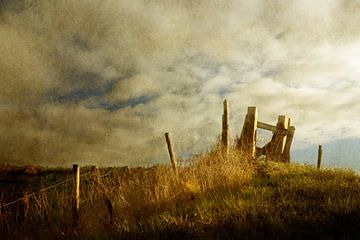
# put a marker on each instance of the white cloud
(101, 81)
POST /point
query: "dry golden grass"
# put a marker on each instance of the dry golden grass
(135, 194)
(210, 197)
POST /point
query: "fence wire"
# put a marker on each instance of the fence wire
(42, 190)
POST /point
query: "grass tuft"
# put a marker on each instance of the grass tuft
(213, 197)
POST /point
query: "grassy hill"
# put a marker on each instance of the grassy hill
(211, 197)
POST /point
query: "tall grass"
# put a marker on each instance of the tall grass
(136, 195)
(211, 197)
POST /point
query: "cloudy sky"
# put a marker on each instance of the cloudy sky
(100, 81)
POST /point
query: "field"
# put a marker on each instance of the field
(211, 197)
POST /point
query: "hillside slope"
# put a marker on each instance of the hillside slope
(214, 198)
(280, 202)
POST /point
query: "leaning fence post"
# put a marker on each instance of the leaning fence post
(247, 141)
(279, 139)
(319, 157)
(76, 202)
(225, 140)
(289, 138)
(171, 152)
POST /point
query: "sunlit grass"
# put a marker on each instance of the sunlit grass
(214, 197)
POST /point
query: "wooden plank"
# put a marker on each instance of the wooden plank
(247, 141)
(319, 157)
(76, 202)
(266, 126)
(289, 139)
(225, 129)
(282, 125)
(171, 152)
(278, 140)
(272, 128)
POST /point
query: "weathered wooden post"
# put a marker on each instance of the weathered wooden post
(225, 139)
(247, 141)
(171, 152)
(319, 157)
(76, 201)
(279, 138)
(289, 138)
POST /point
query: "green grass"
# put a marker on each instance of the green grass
(214, 198)
(281, 201)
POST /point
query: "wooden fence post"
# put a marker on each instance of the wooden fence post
(279, 139)
(319, 157)
(247, 141)
(225, 140)
(171, 152)
(76, 202)
(289, 138)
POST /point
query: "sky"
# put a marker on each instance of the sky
(99, 82)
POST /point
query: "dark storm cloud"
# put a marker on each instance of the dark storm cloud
(99, 82)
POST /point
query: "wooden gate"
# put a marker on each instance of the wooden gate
(278, 149)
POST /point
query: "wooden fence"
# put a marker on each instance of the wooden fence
(75, 198)
(278, 149)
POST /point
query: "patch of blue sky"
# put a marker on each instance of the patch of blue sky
(343, 153)
(87, 85)
(114, 106)
(83, 93)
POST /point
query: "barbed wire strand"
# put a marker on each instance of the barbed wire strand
(41, 190)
